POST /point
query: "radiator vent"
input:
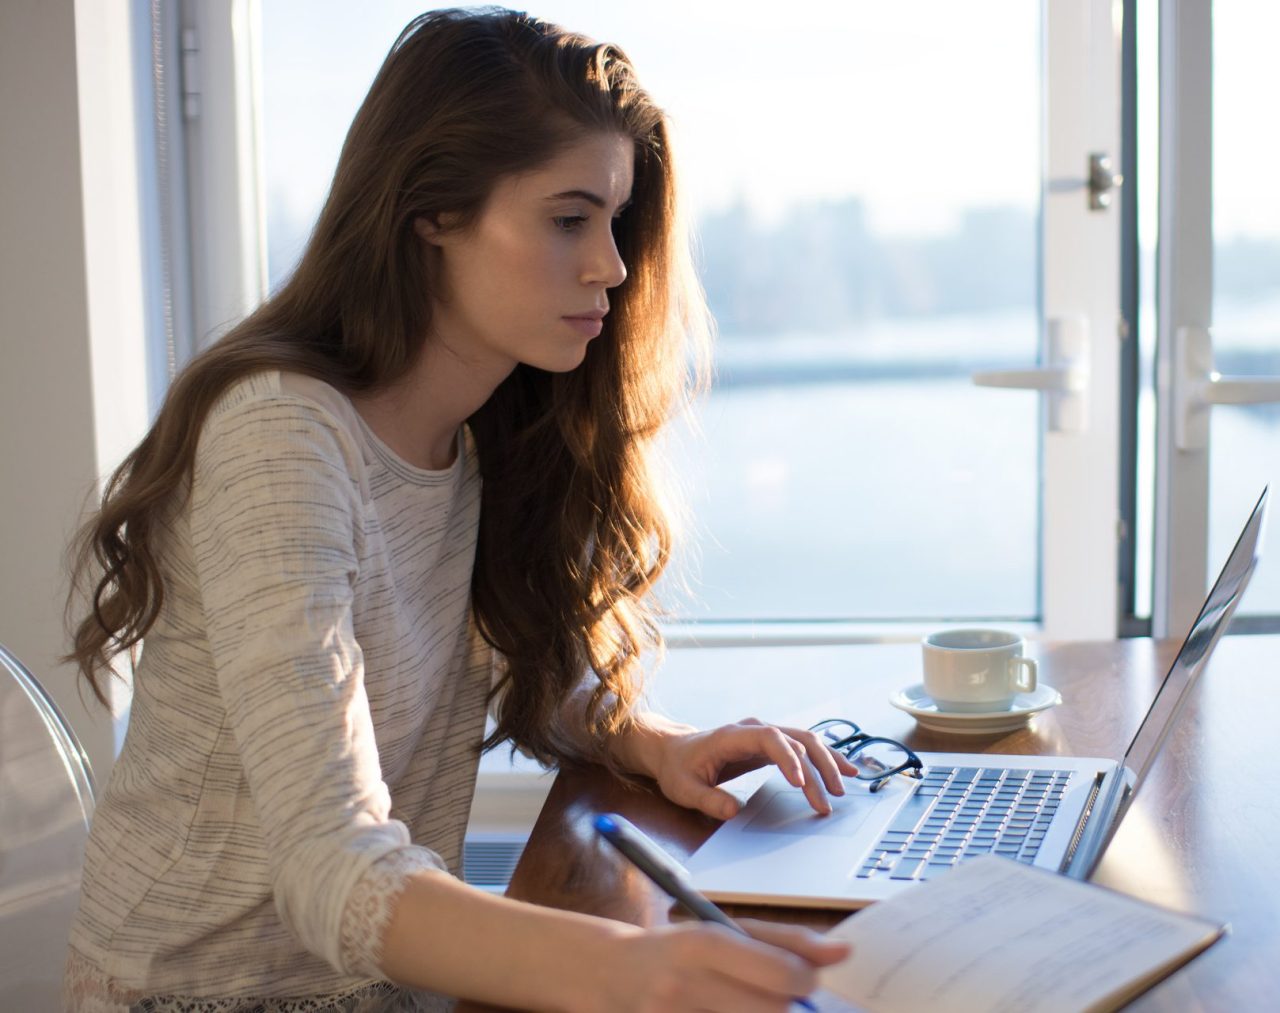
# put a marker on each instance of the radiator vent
(488, 860)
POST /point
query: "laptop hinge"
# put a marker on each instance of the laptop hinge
(1082, 822)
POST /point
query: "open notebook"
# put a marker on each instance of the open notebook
(996, 935)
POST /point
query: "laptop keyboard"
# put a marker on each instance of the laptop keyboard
(962, 812)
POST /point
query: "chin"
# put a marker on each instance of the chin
(566, 362)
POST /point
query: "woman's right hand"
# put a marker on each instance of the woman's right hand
(695, 966)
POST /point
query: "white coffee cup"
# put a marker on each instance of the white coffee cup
(975, 670)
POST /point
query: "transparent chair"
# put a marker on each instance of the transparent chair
(46, 801)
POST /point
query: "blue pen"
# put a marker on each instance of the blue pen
(659, 867)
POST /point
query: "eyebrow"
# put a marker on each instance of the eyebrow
(587, 196)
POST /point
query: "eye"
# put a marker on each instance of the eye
(569, 223)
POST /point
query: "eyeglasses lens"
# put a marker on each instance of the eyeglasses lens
(838, 733)
(878, 759)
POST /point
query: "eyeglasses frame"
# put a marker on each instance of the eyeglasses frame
(853, 744)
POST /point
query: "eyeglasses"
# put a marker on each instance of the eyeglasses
(876, 758)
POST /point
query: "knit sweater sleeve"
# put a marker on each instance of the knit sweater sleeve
(277, 526)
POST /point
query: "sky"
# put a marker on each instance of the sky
(920, 109)
(853, 98)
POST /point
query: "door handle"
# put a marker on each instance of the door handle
(1064, 380)
(1202, 387)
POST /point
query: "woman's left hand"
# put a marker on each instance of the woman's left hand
(691, 764)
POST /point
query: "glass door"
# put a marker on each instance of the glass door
(1081, 327)
(1219, 282)
(1245, 440)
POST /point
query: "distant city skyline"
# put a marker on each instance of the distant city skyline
(819, 267)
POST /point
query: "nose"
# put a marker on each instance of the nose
(605, 265)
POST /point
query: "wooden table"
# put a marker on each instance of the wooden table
(1201, 837)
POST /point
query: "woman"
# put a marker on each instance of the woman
(493, 291)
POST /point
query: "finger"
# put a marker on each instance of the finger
(817, 949)
(822, 757)
(792, 759)
(846, 765)
(720, 990)
(843, 763)
(813, 787)
(769, 969)
(715, 802)
(781, 751)
(814, 790)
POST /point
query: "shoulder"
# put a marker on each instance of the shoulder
(284, 392)
(286, 417)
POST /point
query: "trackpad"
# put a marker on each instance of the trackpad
(789, 812)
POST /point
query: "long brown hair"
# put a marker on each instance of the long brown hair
(573, 532)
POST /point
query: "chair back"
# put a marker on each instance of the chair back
(46, 801)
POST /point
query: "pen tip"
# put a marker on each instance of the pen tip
(604, 823)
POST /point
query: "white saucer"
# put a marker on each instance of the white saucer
(920, 705)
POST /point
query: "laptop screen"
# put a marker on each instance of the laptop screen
(1205, 631)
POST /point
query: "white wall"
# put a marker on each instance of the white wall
(73, 395)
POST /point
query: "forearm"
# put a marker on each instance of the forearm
(636, 749)
(448, 937)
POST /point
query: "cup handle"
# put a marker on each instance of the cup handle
(1025, 680)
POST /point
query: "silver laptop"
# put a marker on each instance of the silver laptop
(1055, 812)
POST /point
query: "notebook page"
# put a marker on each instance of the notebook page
(994, 936)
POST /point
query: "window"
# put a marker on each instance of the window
(866, 184)
(889, 201)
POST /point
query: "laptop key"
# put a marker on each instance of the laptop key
(907, 869)
(910, 815)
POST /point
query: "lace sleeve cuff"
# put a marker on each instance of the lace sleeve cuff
(370, 905)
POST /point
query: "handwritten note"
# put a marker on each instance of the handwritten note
(993, 936)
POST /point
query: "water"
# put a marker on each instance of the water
(910, 498)
(907, 496)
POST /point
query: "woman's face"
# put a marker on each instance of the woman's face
(529, 281)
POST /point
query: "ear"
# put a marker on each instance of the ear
(436, 228)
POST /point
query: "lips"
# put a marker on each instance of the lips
(588, 324)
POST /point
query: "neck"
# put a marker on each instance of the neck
(418, 417)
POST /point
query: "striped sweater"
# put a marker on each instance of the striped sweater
(305, 722)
